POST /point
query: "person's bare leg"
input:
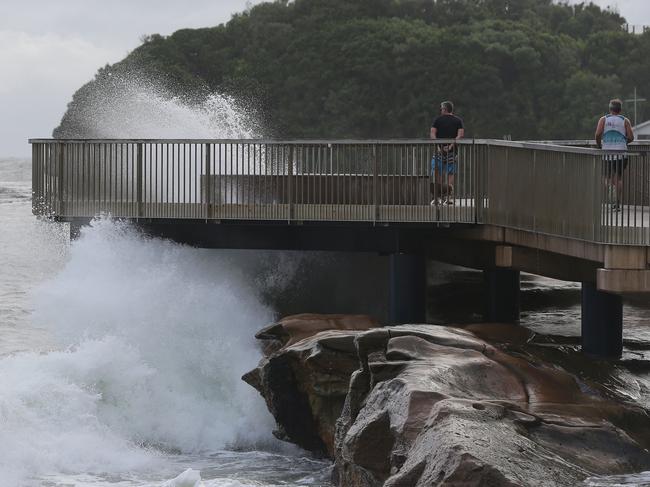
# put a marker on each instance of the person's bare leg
(616, 185)
(437, 188)
(450, 189)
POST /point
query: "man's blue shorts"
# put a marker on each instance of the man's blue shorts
(443, 163)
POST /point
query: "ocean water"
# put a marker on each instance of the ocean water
(121, 358)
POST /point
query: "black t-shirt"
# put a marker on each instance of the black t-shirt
(447, 126)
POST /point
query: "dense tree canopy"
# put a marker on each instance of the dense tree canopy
(378, 68)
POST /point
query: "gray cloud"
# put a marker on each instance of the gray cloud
(635, 11)
(49, 49)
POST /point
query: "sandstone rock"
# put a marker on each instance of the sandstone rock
(305, 375)
(459, 412)
(294, 328)
(424, 405)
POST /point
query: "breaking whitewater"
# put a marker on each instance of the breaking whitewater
(121, 356)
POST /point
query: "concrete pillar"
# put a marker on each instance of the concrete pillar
(502, 295)
(602, 322)
(407, 288)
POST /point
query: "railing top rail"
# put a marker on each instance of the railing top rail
(586, 143)
(546, 146)
(253, 141)
(549, 146)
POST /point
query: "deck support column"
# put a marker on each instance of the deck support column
(407, 288)
(602, 322)
(502, 295)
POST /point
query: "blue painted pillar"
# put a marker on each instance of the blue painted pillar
(502, 295)
(407, 288)
(602, 322)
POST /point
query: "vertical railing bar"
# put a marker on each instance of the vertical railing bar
(290, 179)
(59, 210)
(139, 180)
(208, 182)
(375, 181)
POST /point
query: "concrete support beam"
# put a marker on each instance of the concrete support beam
(407, 288)
(602, 322)
(558, 245)
(502, 295)
(625, 257)
(545, 263)
(623, 280)
(503, 257)
(466, 253)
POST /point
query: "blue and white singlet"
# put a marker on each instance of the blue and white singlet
(615, 135)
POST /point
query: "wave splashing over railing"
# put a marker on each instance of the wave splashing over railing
(130, 106)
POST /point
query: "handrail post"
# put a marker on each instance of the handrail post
(481, 182)
(290, 182)
(208, 182)
(475, 174)
(60, 172)
(535, 202)
(375, 178)
(645, 191)
(35, 173)
(597, 200)
(138, 178)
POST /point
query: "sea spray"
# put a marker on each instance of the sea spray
(136, 373)
(152, 339)
(189, 314)
(127, 105)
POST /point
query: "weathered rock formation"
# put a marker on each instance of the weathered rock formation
(305, 374)
(423, 405)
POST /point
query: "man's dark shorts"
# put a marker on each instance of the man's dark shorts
(615, 164)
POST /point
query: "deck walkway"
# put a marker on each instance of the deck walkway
(533, 192)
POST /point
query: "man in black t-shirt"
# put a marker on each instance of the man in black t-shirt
(443, 164)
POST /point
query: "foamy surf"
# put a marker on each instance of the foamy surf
(124, 367)
(151, 339)
(189, 478)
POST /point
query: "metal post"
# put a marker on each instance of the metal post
(290, 183)
(602, 322)
(502, 295)
(138, 179)
(208, 183)
(375, 184)
(60, 185)
(407, 288)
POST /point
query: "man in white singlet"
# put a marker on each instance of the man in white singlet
(613, 133)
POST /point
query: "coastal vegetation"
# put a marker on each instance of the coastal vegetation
(530, 69)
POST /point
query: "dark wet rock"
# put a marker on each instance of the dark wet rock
(305, 374)
(423, 405)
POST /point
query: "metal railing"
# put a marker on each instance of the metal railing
(538, 187)
(568, 191)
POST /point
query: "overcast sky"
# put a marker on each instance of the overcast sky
(49, 48)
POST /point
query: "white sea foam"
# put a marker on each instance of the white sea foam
(136, 372)
(189, 478)
(153, 339)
